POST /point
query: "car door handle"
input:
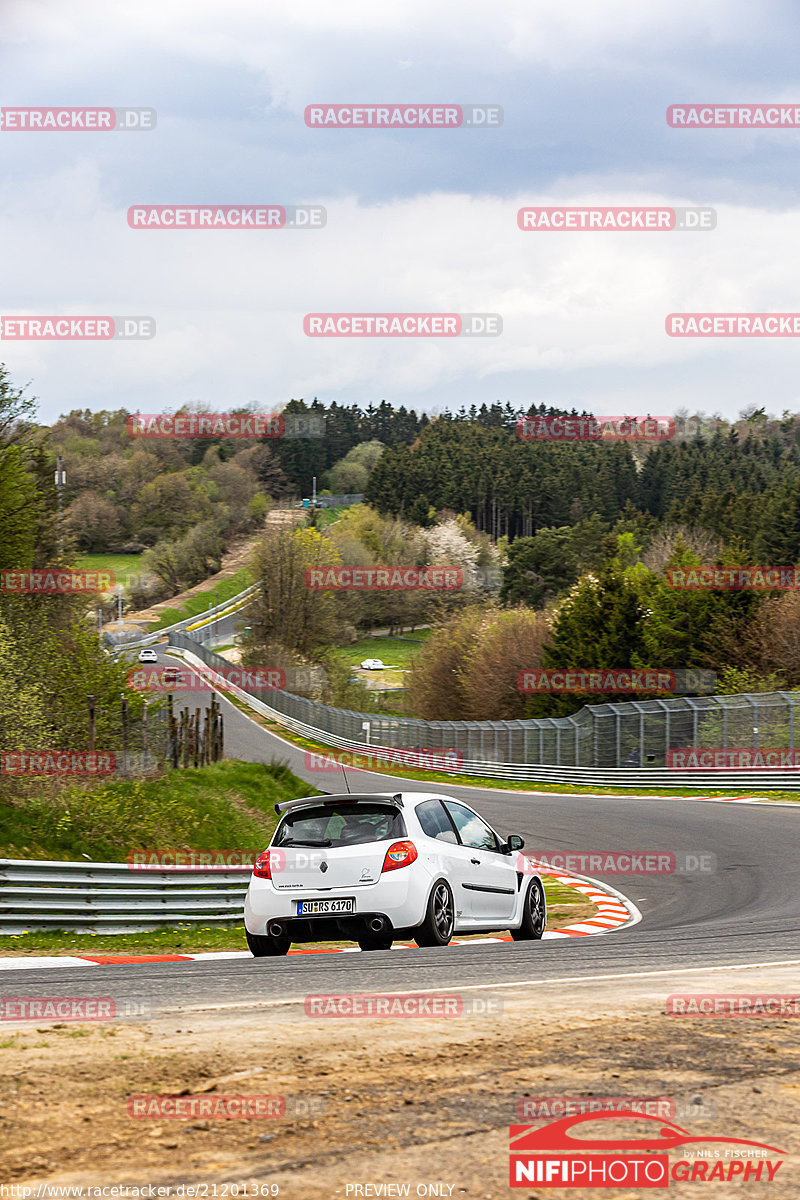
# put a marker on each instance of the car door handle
(475, 862)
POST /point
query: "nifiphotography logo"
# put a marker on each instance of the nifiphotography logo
(552, 1156)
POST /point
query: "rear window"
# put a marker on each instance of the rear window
(341, 825)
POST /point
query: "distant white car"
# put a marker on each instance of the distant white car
(372, 868)
(148, 656)
(372, 664)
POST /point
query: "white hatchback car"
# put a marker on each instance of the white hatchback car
(148, 656)
(374, 868)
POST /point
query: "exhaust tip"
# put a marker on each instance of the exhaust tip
(276, 929)
(377, 924)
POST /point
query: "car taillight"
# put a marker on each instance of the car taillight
(399, 854)
(261, 867)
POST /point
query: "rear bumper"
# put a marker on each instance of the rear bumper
(399, 901)
(328, 929)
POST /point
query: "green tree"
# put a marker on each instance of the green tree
(19, 510)
(290, 610)
(24, 710)
(538, 567)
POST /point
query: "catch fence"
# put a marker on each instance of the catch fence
(637, 734)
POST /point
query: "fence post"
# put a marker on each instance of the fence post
(755, 724)
(172, 734)
(791, 726)
(185, 735)
(92, 724)
(124, 733)
(196, 747)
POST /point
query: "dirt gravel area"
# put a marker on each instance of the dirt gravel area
(417, 1102)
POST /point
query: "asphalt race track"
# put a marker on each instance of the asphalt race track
(745, 912)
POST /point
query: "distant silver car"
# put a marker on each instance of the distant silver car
(372, 868)
(148, 656)
(372, 664)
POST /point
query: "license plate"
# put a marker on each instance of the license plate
(310, 908)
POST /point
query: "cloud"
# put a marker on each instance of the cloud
(416, 220)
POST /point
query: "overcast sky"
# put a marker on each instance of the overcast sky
(417, 220)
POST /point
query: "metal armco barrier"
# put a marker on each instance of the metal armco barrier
(191, 623)
(590, 748)
(91, 897)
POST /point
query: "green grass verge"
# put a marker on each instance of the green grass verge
(323, 517)
(396, 651)
(198, 604)
(123, 566)
(199, 939)
(227, 805)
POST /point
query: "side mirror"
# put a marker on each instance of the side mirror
(515, 842)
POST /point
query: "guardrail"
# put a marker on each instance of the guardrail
(786, 779)
(233, 604)
(91, 897)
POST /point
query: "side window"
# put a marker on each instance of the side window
(471, 829)
(434, 820)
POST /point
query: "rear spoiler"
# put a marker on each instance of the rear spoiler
(285, 805)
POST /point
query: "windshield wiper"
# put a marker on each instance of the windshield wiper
(299, 842)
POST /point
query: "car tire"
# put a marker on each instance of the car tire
(440, 915)
(375, 943)
(533, 915)
(267, 947)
